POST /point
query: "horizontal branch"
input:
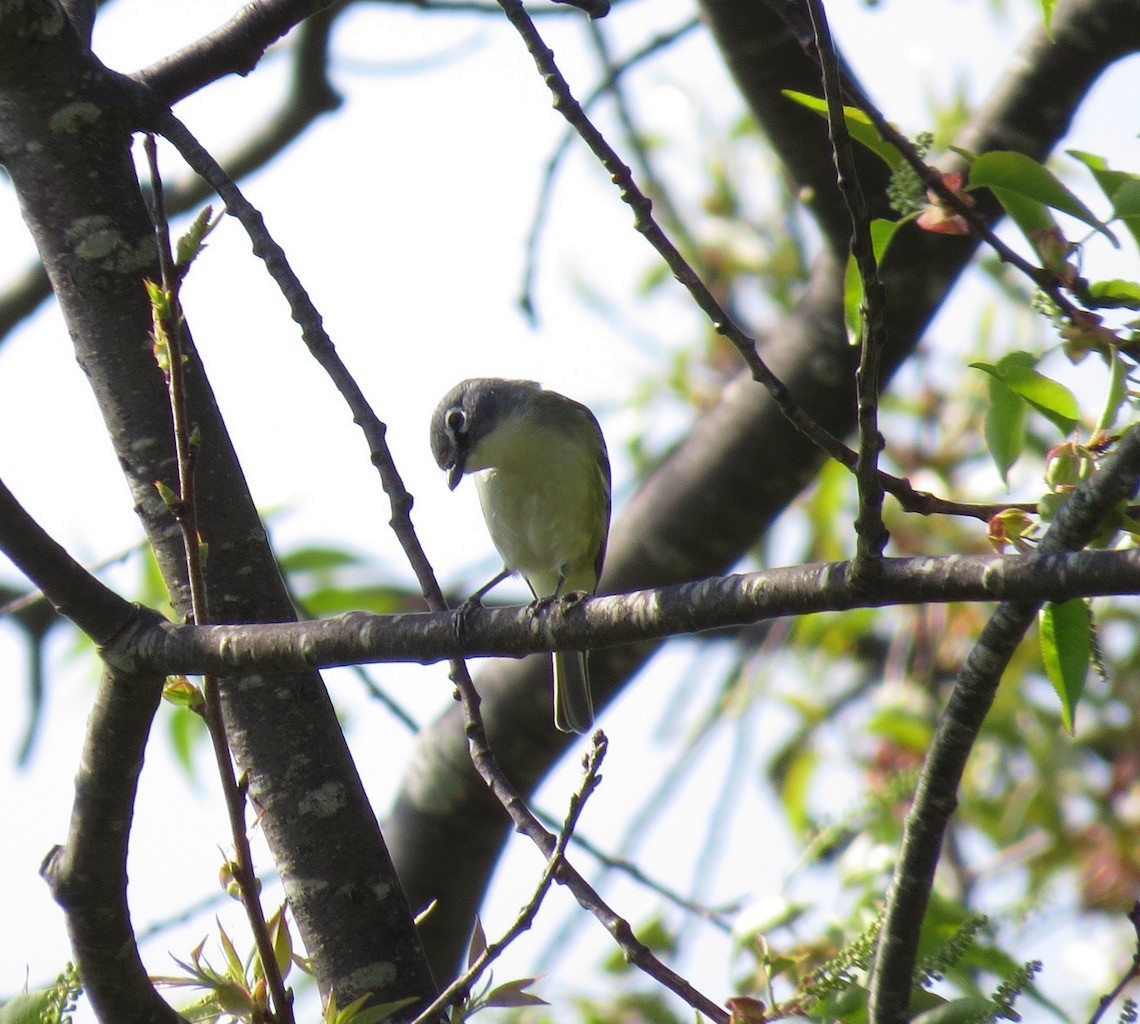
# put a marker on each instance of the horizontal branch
(362, 637)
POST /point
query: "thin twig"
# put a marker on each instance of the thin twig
(871, 535)
(654, 186)
(622, 865)
(1130, 975)
(546, 187)
(459, 988)
(636, 952)
(169, 322)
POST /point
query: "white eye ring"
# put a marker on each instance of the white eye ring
(456, 420)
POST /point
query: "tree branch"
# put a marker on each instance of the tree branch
(96, 609)
(88, 876)
(81, 200)
(936, 797)
(235, 48)
(604, 622)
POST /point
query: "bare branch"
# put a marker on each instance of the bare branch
(71, 589)
(459, 988)
(233, 49)
(599, 622)
(88, 876)
(936, 797)
(871, 535)
(1130, 975)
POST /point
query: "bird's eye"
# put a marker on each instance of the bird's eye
(456, 420)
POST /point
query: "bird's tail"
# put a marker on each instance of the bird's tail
(573, 708)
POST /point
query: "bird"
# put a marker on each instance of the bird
(542, 473)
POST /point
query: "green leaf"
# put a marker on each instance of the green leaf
(318, 558)
(1029, 215)
(1005, 426)
(356, 1012)
(187, 730)
(1115, 294)
(1066, 649)
(882, 231)
(908, 729)
(1117, 393)
(1121, 188)
(1020, 175)
(967, 1010)
(1126, 206)
(1047, 9)
(798, 776)
(26, 1008)
(858, 124)
(1053, 400)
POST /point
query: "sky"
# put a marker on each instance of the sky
(415, 257)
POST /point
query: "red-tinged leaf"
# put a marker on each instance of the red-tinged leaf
(1066, 649)
(513, 994)
(478, 945)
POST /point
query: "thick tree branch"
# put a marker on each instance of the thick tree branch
(233, 49)
(637, 617)
(65, 124)
(88, 876)
(936, 797)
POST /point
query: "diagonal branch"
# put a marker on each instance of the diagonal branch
(71, 589)
(936, 797)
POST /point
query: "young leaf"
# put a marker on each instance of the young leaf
(1022, 175)
(1066, 649)
(1121, 188)
(1115, 294)
(26, 1008)
(478, 945)
(882, 231)
(191, 244)
(966, 1010)
(858, 124)
(514, 993)
(1005, 426)
(1053, 400)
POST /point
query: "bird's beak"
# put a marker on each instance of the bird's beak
(455, 474)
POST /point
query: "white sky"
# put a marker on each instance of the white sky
(405, 216)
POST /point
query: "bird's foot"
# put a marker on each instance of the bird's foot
(461, 616)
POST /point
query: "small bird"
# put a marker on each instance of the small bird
(543, 477)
